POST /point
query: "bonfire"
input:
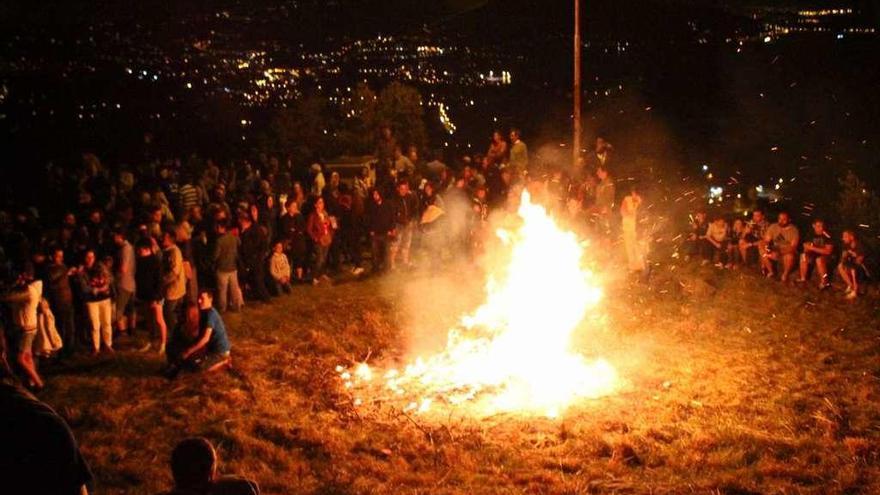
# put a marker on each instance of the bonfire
(514, 352)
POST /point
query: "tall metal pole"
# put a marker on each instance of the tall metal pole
(576, 86)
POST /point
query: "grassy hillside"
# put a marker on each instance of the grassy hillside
(733, 386)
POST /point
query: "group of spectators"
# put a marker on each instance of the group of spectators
(780, 249)
(153, 247)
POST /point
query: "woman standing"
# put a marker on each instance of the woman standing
(95, 284)
(320, 229)
(148, 291)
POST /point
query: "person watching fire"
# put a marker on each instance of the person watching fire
(817, 251)
(782, 240)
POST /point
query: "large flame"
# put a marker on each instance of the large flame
(513, 353)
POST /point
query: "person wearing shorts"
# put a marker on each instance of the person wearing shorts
(817, 251)
(125, 281)
(782, 240)
(148, 291)
(852, 263)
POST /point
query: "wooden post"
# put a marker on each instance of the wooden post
(576, 86)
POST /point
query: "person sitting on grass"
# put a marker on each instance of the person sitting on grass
(211, 350)
(753, 237)
(782, 240)
(184, 335)
(852, 263)
(718, 239)
(738, 232)
(194, 469)
(279, 268)
(696, 244)
(817, 251)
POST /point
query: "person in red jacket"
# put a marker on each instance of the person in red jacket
(320, 228)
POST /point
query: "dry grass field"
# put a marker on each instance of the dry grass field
(732, 386)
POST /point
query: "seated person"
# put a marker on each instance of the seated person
(782, 240)
(696, 244)
(185, 334)
(737, 234)
(211, 350)
(852, 263)
(279, 268)
(817, 251)
(753, 237)
(194, 469)
(38, 452)
(718, 240)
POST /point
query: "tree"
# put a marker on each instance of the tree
(400, 106)
(303, 130)
(857, 205)
(357, 134)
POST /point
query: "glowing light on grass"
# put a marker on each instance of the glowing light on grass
(513, 353)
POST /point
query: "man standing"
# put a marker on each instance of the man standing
(817, 251)
(125, 285)
(60, 297)
(405, 211)
(254, 250)
(226, 266)
(173, 280)
(629, 210)
(519, 154)
(404, 168)
(604, 201)
(380, 224)
(782, 240)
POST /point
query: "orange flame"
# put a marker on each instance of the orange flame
(512, 354)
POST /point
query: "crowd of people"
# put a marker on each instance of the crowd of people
(168, 246)
(779, 249)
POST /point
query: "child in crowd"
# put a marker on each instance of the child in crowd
(279, 267)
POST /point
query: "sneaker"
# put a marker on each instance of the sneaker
(315, 281)
(824, 285)
(848, 289)
(146, 347)
(800, 280)
(357, 271)
(769, 274)
(161, 351)
(719, 265)
(851, 294)
(704, 262)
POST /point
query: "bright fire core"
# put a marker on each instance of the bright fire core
(513, 353)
